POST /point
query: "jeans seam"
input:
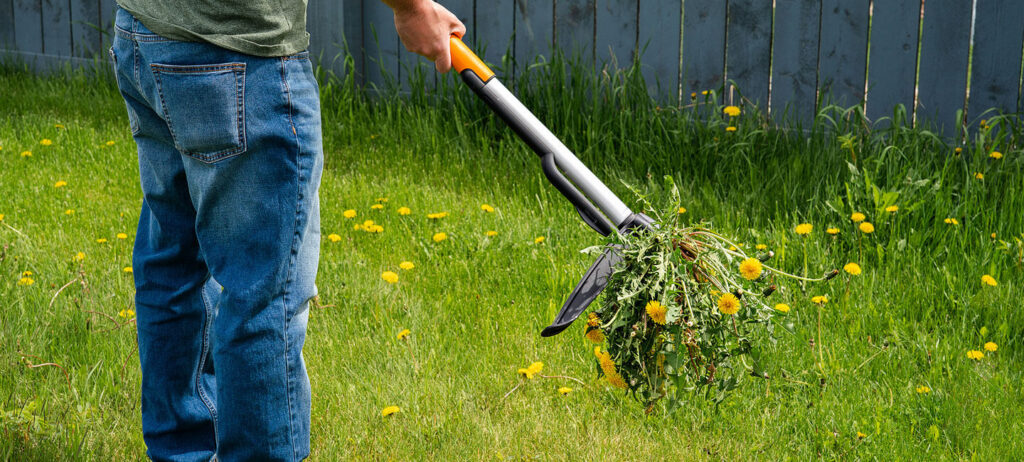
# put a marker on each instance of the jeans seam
(288, 277)
(202, 361)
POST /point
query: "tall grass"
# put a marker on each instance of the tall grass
(475, 304)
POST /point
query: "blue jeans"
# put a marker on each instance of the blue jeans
(225, 257)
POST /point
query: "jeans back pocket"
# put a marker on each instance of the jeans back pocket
(204, 107)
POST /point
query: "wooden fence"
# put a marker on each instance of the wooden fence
(789, 57)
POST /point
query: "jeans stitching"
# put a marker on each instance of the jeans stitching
(207, 321)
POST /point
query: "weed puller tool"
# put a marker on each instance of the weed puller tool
(596, 204)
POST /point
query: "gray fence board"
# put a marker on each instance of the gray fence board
(381, 44)
(658, 37)
(492, 34)
(534, 32)
(893, 55)
(353, 33)
(7, 25)
(996, 66)
(749, 54)
(108, 9)
(843, 52)
(574, 28)
(942, 84)
(56, 28)
(28, 25)
(86, 40)
(703, 45)
(616, 32)
(795, 60)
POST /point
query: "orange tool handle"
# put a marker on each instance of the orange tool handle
(463, 58)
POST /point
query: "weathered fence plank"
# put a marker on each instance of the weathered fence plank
(945, 44)
(353, 34)
(108, 10)
(56, 28)
(749, 53)
(28, 25)
(703, 45)
(795, 60)
(996, 65)
(86, 40)
(534, 32)
(492, 35)
(893, 62)
(7, 25)
(616, 32)
(658, 38)
(842, 60)
(574, 29)
(380, 43)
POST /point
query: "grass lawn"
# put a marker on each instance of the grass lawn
(879, 372)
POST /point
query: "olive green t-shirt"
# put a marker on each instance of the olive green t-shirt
(254, 27)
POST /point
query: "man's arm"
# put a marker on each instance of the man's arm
(425, 27)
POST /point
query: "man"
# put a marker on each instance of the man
(225, 111)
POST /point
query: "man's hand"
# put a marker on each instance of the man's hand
(425, 28)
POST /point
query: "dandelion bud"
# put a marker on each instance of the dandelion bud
(770, 290)
(738, 293)
(766, 257)
(831, 275)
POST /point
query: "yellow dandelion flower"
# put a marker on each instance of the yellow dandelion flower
(1, 217)
(656, 311)
(923, 389)
(751, 269)
(989, 281)
(127, 269)
(404, 211)
(486, 208)
(122, 236)
(705, 92)
(406, 265)
(60, 184)
(26, 281)
(979, 175)
(532, 370)
(951, 221)
(608, 368)
(58, 125)
(126, 313)
(564, 391)
(852, 268)
(491, 233)
(440, 237)
(538, 240)
(728, 304)
(390, 410)
(681, 210)
(857, 217)
(996, 155)
(730, 129)
(975, 355)
(26, 153)
(381, 199)
(782, 307)
(69, 211)
(437, 216)
(375, 229)
(819, 299)
(731, 111)
(27, 273)
(101, 240)
(832, 231)
(892, 208)
(80, 256)
(991, 346)
(403, 334)
(804, 229)
(867, 228)
(959, 150)
(594, 334)
(45, 142)
(993, 235)
(693, 95)
(367, 223)
(333, 237)
(349, 213)
(377, 207)
(390, 277)
(760, 247)
(110, 143)
(861, 436)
